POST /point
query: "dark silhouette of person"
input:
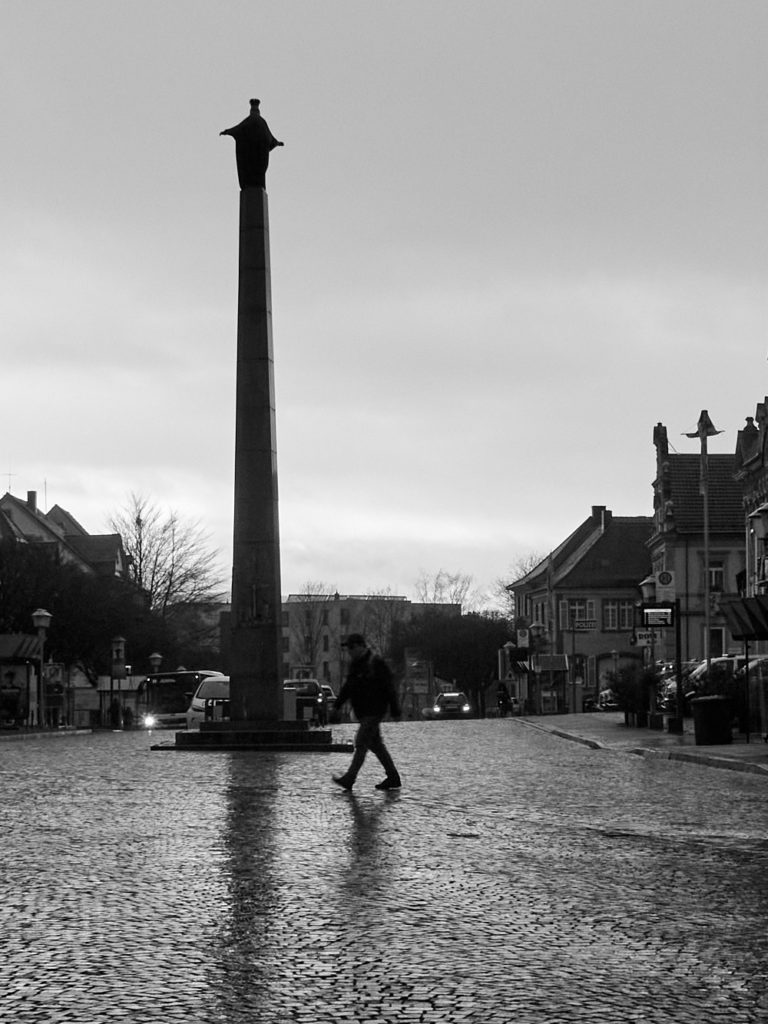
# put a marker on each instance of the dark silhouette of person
(371, 692)
(253, 144)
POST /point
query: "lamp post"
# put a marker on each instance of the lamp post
(538, 631)
(648, 590)
(41, 620)
(705, 428)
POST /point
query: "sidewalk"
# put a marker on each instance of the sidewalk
(606, 730)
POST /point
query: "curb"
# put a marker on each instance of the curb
(708, 760)
(18, 737)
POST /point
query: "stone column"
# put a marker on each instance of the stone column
(256, 652)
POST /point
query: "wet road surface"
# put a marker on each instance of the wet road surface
(516, 877)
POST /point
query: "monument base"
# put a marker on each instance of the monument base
(258, 735)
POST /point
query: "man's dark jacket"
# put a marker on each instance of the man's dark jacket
(369, 688)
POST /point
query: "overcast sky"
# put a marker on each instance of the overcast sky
(507, 239)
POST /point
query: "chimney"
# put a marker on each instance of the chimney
(601, 515)
(32, 500)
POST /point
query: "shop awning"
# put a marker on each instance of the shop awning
(747, 617)
(15, 647)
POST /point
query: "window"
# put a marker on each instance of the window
(618, 615)
(575, 610)
(345, 616)
(626, 615)
(610, 615)
(716, 642)
(326, 646)
(716, 577)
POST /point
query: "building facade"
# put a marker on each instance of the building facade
(315, 625)
(577, 611)
(698, 538)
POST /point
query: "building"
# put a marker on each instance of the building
(576, 611)
(23, 522)
(316, 624)
(751, 471)
(704, 566)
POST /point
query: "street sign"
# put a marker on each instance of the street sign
(584, 625)
(655, 615)
(665, 586)
(647, 637)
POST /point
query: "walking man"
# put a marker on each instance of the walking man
(370, 691)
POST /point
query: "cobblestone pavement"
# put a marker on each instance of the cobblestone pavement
(516, 877)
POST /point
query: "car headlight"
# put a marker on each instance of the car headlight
(465, 707)
(149, 721)
(436, 709)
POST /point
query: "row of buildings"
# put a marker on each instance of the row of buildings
(579, 612)
(315, 624)
(582, 615)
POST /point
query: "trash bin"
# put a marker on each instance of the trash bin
(711, 720)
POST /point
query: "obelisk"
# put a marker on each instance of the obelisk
(256, 641)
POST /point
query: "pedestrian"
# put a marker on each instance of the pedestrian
(370, 691)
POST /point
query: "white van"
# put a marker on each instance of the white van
(209, 701)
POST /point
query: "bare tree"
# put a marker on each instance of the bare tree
(168, 556)
(308, 618)
(381, 612)
(503, 598)
(445, 588)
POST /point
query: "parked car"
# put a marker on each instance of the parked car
(453, 704)
(758, 668)
(311, 700)
(727, 664)
(607, 701)
(209, 701)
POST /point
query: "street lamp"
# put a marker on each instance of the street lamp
(538, 631)
(41, 620)
(648, 590)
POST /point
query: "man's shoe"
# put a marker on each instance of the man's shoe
(389, 784)
(340, 780)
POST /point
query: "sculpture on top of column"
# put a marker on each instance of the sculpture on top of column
(253, 144)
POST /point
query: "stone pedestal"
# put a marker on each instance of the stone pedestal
(260, 735)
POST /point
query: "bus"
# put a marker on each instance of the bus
(162, 698)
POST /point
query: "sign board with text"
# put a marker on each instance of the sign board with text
(647, 637)
(659, 615)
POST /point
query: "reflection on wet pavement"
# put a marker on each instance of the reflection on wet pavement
(515, 876)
